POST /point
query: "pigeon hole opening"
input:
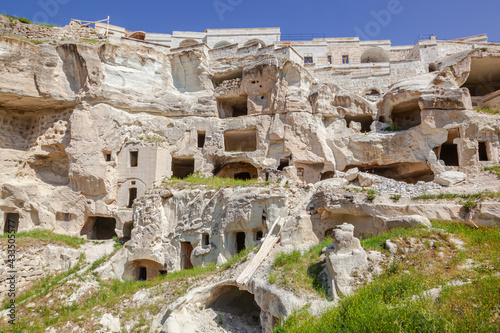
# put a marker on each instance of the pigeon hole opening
(182, 167)
(11, 223)
(258, 235)
(365, 121)
(240, 141)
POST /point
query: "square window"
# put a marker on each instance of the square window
(308, 60)
(107, 156)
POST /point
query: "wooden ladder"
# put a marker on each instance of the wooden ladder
(271, 239)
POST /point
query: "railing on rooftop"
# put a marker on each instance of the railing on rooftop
(301, 36)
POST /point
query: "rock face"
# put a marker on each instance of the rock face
(344, 258)
(449, 178)
(90, 130)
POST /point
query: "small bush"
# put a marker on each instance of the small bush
(469, 204)
(487, 110)
(493, 169)
(24, 20)
(392, 128)
(370, 196)
(396, 197)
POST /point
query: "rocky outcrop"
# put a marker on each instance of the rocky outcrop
(344, 258)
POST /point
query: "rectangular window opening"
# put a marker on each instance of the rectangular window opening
(483, 152)
(206, 239)
(134, 158)
(201, 139)
(308, 60)
(132, 195)
(345, 59)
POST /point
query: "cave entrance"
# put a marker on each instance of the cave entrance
(327, 175)
(240, 241)
(406, 115)
(240, 141)
(143, 274)
(448, 152)
(186, 249)
(410, 173)
(143, 270)
(182, 167)
(365, 121)
(239, 303)
(132, 195)
(238, 170)
(233, 107)
(127, 231)
(11, 223)
(484, 77)
(104, 228)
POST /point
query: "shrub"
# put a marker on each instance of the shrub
(469, 204)
(392, 128)
(370, 196)
(24, 20)
(396, 197)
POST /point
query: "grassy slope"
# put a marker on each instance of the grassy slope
(109, 297)
(389, 304)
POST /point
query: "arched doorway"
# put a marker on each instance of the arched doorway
(374, 55)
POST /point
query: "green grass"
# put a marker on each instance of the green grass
(493, 169)
(212, 182)
(13, 21)
(301, 271)
(155, 138)
(90, 41)
(44, 286)
(392, 128)
(49, 236)
(45, 24)
(451, 196)
(487, 110)
(108, 295)
(376, 242)
(394, 301)
(33, 41)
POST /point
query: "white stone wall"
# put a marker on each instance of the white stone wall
(381, 76)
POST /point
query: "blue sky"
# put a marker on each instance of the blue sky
(399, 20)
